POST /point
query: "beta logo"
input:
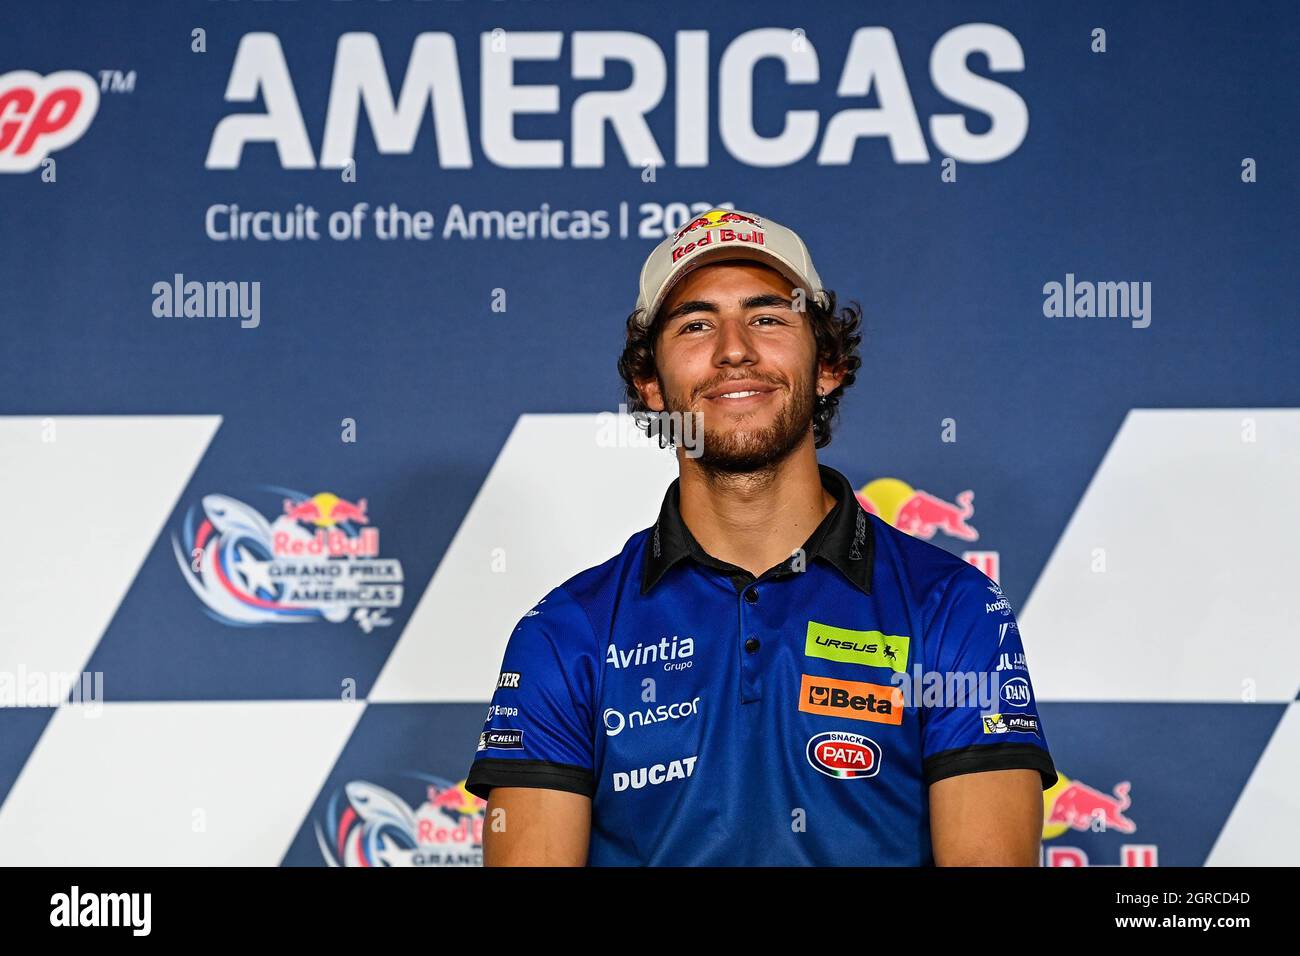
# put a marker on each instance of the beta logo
(855, 700)
(844, 756)
(41, 114)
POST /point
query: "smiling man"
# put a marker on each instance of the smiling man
(752, 680)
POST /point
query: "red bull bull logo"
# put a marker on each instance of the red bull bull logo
(753, 237)
(1077, 806)
(1072, 805)
(917, 512)
(715, 218)
(325, 510)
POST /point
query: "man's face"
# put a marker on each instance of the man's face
(732, 348)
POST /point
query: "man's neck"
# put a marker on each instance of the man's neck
(755, 520)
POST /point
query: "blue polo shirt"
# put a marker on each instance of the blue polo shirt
(797, 717)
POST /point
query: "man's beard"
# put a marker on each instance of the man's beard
(741, 450)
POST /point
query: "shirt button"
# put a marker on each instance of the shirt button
(751, 596)
(751, 645)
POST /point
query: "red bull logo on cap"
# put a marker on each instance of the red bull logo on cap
(715, 218)
(754, 237)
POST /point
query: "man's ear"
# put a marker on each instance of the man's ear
(651, 393)
(828, 379)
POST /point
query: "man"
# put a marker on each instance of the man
(739, 685)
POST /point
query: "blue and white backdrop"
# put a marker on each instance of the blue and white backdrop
(310, 312)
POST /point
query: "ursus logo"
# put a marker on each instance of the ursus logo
(41, 114)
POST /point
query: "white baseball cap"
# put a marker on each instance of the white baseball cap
(724, 234)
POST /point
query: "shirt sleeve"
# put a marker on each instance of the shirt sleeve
(992, 721)
(539, 730)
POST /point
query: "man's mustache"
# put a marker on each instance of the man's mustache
(714, 383)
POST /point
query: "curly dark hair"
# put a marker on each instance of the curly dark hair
(836, 331)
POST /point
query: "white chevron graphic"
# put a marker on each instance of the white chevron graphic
(88, 498)
(173, 784)
(558, 499)
(1261, 829)
(1196, 599)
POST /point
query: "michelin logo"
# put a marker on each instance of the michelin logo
(501, 740)
(1011, 724)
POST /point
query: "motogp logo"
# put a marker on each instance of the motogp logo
(39, 115)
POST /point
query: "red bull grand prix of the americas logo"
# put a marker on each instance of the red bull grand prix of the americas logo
(318, 560)
(40, 114)
(365, 824)
(1072, 805)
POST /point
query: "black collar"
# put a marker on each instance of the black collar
(844, 538)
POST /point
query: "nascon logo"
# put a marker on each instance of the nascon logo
(700, 84)
(40, 114)
(616, 721)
